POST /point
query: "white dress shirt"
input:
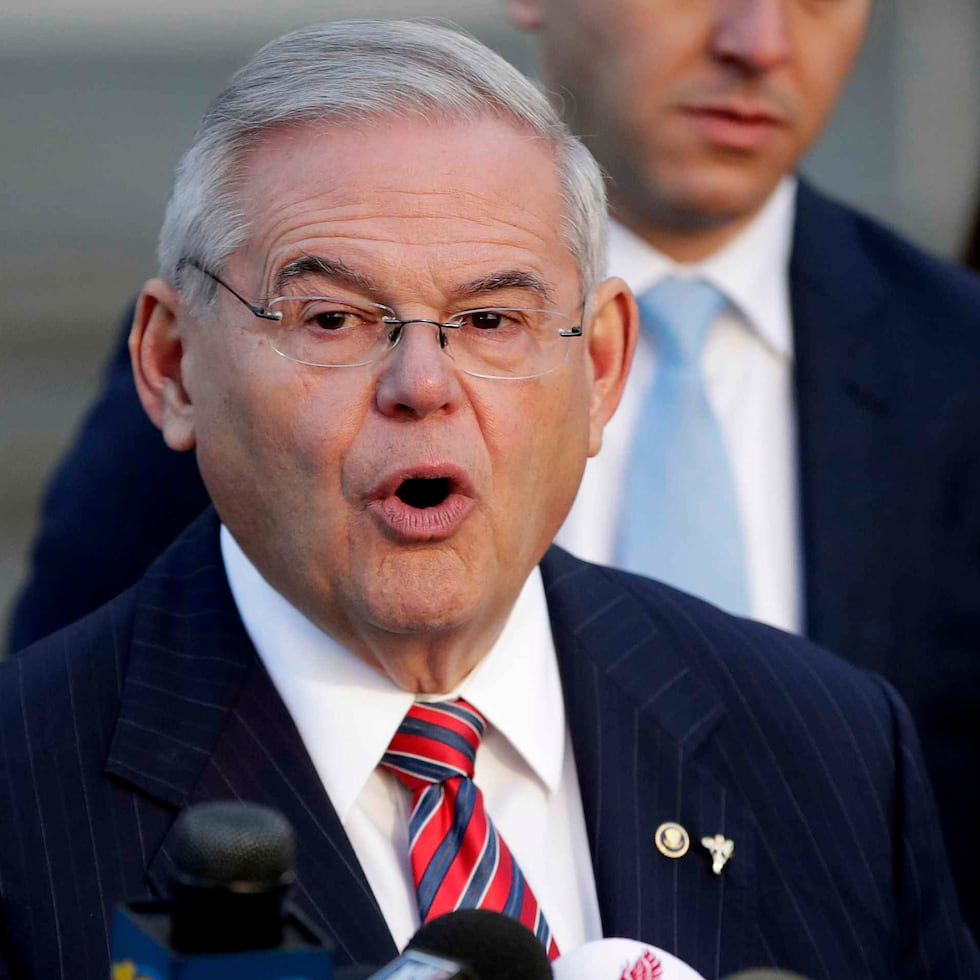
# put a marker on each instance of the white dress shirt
(346, 713)
(748, 371)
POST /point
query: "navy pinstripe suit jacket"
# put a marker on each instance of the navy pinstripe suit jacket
(677, 712)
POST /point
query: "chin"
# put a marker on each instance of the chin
(695, 197)
(720, 194)
(425, 592)
(414, 614)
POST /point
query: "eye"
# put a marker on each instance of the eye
(486, 319)
(331, 319)
(490, 320)
(331, 316)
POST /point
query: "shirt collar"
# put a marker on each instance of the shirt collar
(752, 270)
(347, 712)
(518, 687)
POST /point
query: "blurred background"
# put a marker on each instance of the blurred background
(100, 97)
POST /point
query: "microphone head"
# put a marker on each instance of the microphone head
(242, 847)
(622, 959)
(494, 946)
(233, 864)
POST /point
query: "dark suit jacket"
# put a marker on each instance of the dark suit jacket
(888, 360)
(888, 396)
(677, 712)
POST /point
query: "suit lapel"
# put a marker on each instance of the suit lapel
(638, 716)
(201, 720)
(845, 408)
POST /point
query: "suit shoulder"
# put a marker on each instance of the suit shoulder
(746, 663)
(74, 673)
(915, 268)
(749, 639)
(947, 295)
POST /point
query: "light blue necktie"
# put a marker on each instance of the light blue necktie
(679, 517)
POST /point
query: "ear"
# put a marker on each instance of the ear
(611, 337)
(524, 14)
(156, 350)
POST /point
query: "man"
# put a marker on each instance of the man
(829, 485)
(382, 327)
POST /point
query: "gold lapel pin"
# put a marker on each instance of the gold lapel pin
(672, 840)
(721, 849)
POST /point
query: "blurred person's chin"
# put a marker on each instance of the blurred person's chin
(704, 185)
(704, 201)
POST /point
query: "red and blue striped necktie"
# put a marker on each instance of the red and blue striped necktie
(458, 858)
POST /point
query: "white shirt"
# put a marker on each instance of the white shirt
(748, 370)
(347, 713)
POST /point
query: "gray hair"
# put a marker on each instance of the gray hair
(349, 71)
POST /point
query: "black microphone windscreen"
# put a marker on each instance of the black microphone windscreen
(494, 946)
(233, 865)
(233, 845)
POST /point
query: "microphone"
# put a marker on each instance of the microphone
(411, 965)
(622, 959)
(469, 944)
(233, 867)
(494, 946)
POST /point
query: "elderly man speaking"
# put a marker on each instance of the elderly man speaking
(380, 324)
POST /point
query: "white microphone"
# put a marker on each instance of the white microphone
(621, 959)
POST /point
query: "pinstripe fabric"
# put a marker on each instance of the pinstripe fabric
(459, 860)
(810, 766)
(168, 705)
(676, 711)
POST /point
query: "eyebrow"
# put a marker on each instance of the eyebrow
(319, 266)
(338, 271)
(507, 279)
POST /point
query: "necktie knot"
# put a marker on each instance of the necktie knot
(435, 742)
(678, 315)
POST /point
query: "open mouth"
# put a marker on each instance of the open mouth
(428, 503)
(423, 492)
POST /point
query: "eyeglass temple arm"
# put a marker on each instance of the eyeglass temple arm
(259, 311)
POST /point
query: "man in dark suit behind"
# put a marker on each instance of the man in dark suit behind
(381, 324)
(842, 368)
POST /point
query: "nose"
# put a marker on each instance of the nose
(418, 379)
(753, 34)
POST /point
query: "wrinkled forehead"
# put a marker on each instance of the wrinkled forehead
(406, 197)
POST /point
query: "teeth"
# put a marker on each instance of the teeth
(424, 493)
